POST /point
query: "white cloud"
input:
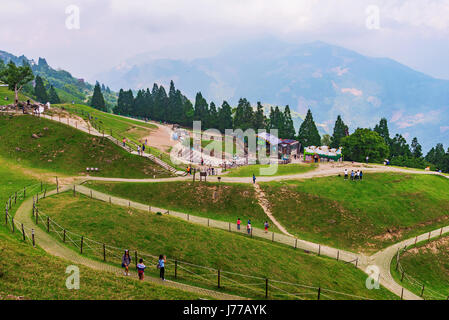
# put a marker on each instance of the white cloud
(412, 120)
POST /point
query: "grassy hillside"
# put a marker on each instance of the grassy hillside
(156, 234)
(219, 201)
(33, 274)
(428, 265)
(4, 92)
(381, 210)
(62, 149)
(288, 169)
(122, 127)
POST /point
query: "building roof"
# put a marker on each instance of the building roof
(271, 139)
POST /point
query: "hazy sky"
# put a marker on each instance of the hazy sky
(413, 32)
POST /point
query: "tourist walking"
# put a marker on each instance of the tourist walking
(238, 223)
(141, 269)
(352, 175)
(138, 150)
(254, 178)
(266, 226)
(248, 227)
(361, 175)
(124, 142)
(161, 266)
(357, 175)
(126, 261)
(346, 174)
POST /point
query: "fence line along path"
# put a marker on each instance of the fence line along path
(308, 246)
(53, 247)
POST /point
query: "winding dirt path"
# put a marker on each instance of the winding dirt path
(55, 248)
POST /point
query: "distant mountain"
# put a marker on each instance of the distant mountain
(68, 87)
(329, 79)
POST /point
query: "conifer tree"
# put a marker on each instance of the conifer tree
(340, 131)
(53, 96)
(288, 127)
(39, 90)
(97, 101)
(225, 117)
(308, 134)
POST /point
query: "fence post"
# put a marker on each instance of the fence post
(296, 243)
(23, 232)
(12, 222)
(266, 288)
(429, 236)
(176, 269)
(6, 216)
(91, 194)
(218, 278)
(24, 192)
(402, 294)
(45, 192)
(319, 293)
(15, 198)
(57, 185)
(74, 191)
(81, 247)
(356, 262)
(41, 186)
(272, 237)
(208, 223)
(422, 291)
(338, 255)
(319, 249)
(37, 197)
(416, 240)
(48, 224)
(229, 227)
(32, 237)
(63, 240)
(136, 258)
(188, 217)
(104, 252)
(441, 232)
(37, 216)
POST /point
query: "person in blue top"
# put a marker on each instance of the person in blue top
(254, 178)
(141, 269)
(161, 266)
(361, 175)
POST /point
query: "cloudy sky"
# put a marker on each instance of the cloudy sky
(413, 32)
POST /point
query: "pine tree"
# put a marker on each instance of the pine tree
(53, 96)
(97, 99)
(289, 129)
(201, 112)
(39, 90)
(416, 148)
(225, 117)
(340, 131)
(308, 134)
(259, 118)
(213, 116)
(382, 130)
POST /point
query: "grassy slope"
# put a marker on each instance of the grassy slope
(4, 92)
(247, 171)
(154, 234)
(33, 274)
(219, 201)
(65, 150)
(126, 127)
(428, 263)
(368, 215)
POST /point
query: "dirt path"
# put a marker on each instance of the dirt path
(55, 248)
(160, 138)
(263, 202)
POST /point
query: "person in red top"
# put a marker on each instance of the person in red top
(238, 223)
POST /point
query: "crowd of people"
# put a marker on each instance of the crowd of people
(354, 175)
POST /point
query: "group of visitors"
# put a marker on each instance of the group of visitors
(249, 226)
(141, 150)
(126, 261)
(355, 175)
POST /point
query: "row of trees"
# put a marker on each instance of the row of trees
(174, 107)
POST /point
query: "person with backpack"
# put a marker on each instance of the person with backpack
(126, 261)
(161, 266)
(141, 269)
